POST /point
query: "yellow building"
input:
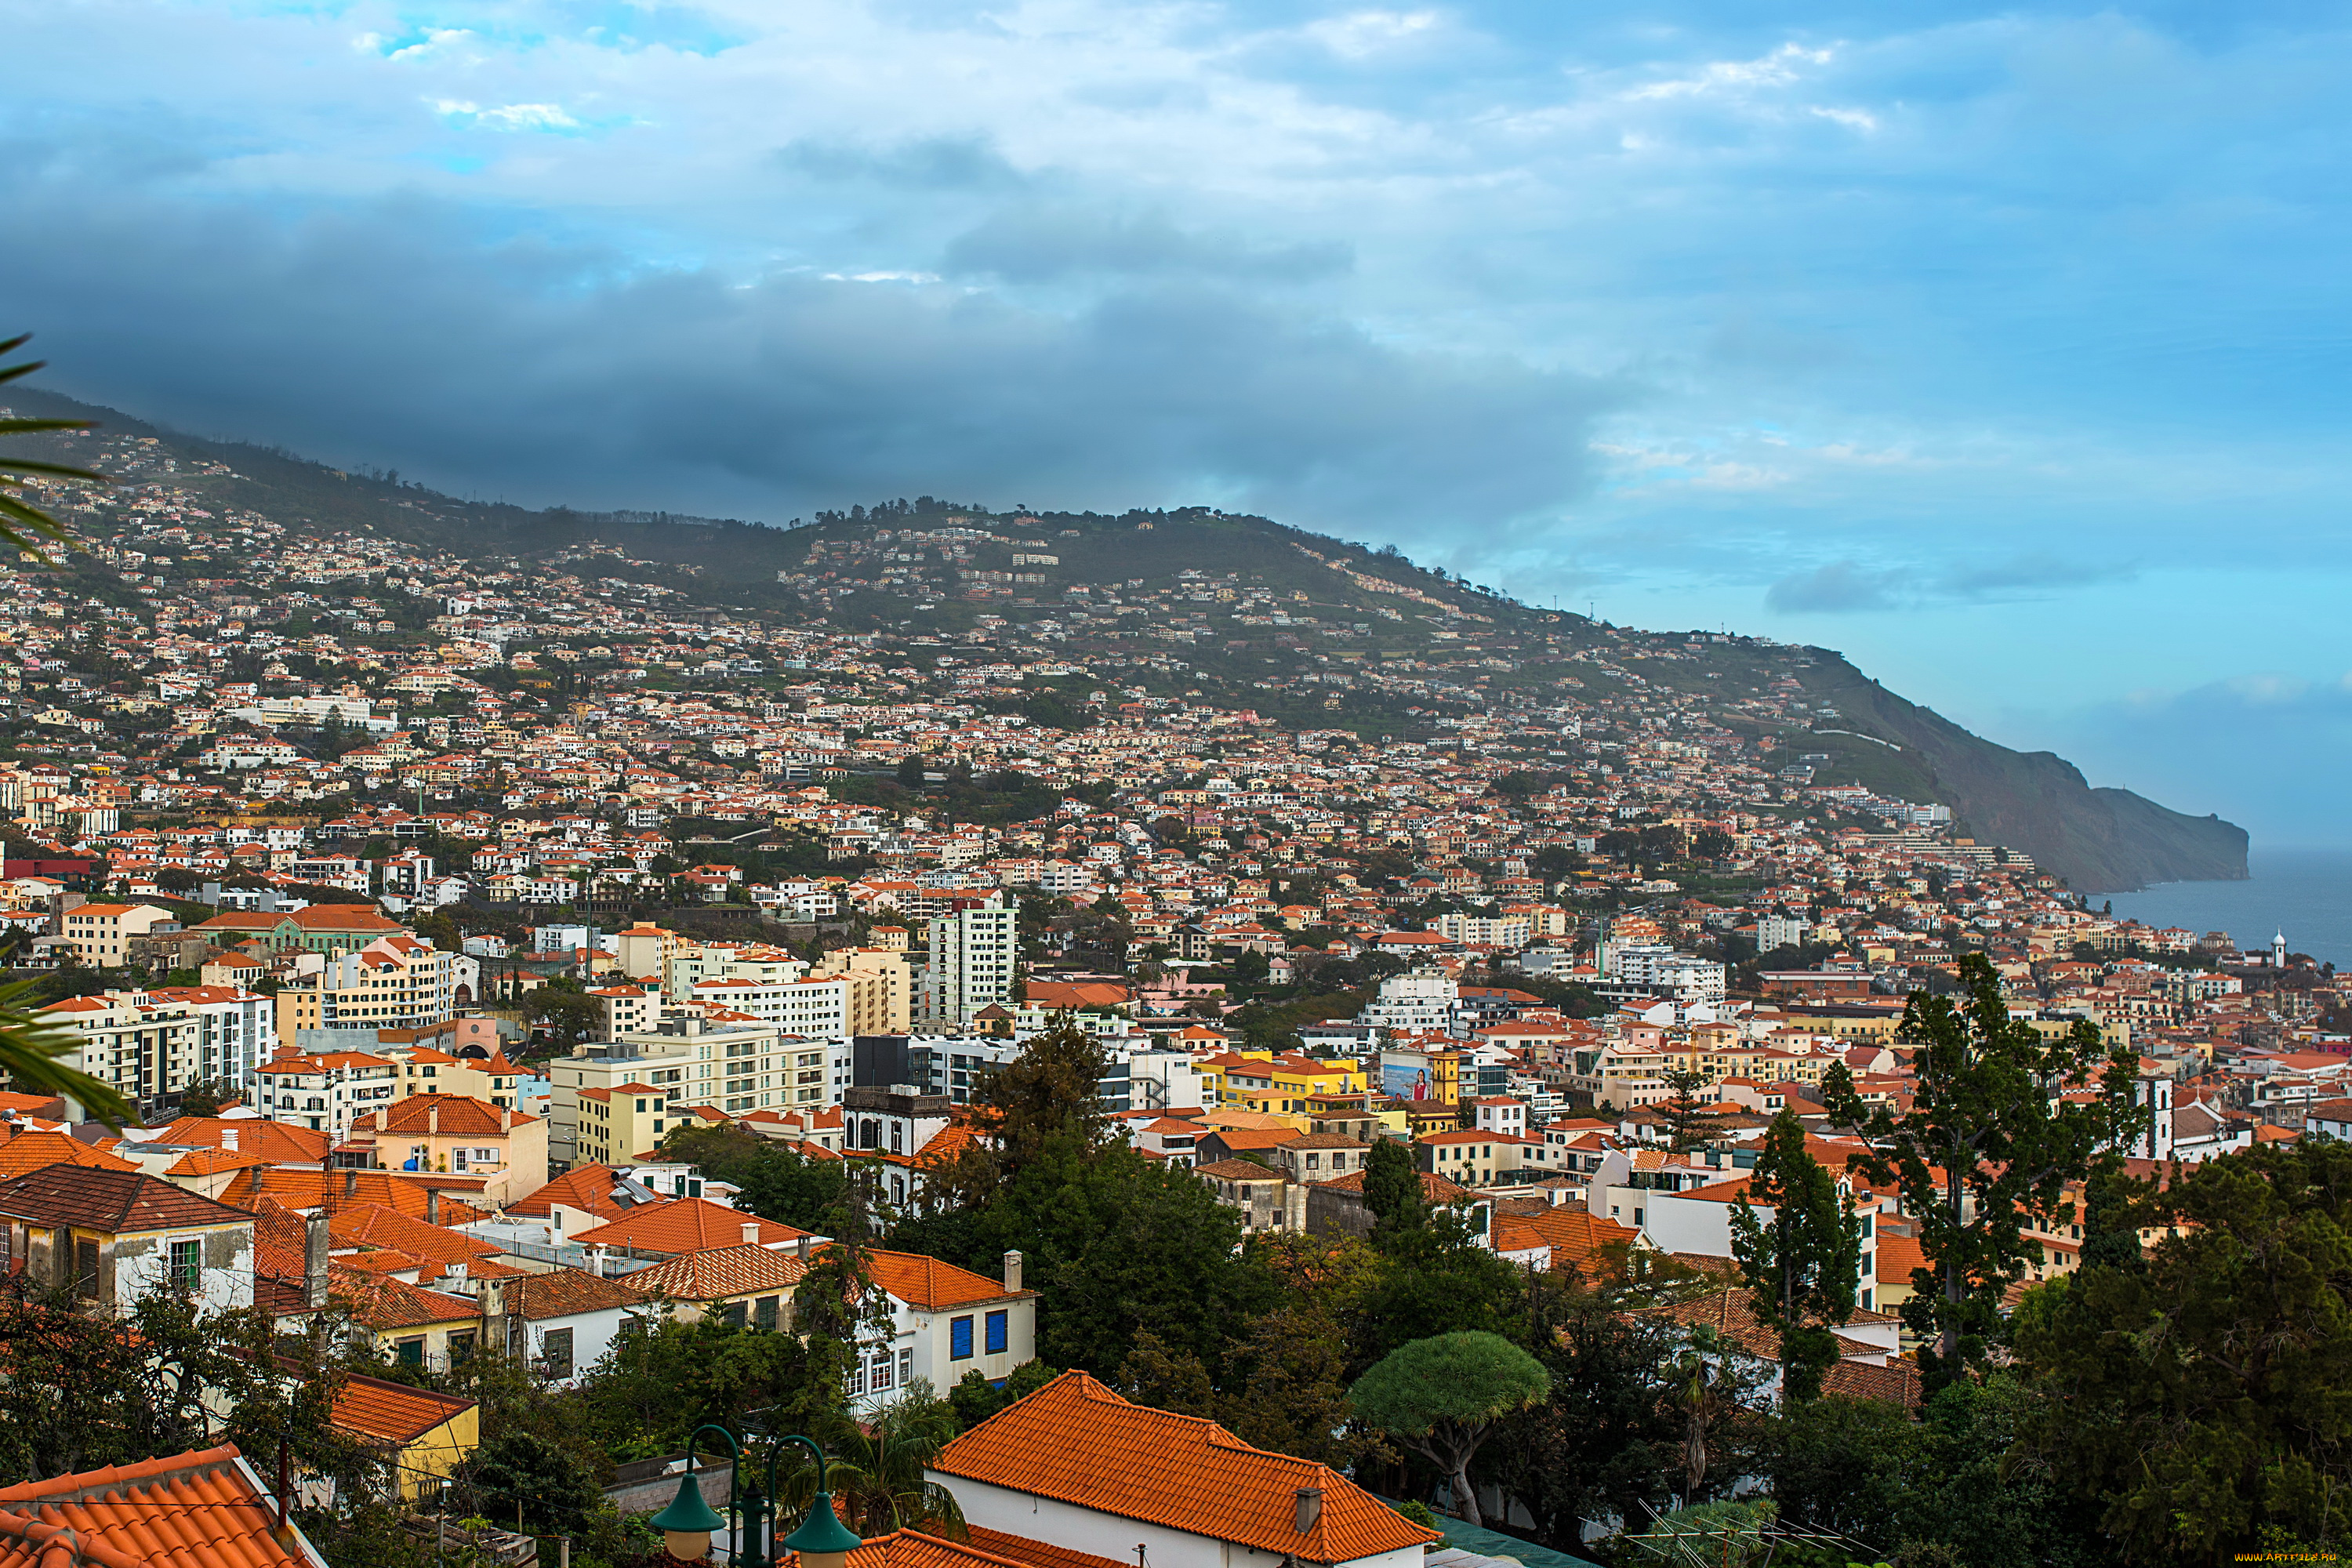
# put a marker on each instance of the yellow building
(619, 1123)
(420, 1435)
(1283, 1086)
(882, 988)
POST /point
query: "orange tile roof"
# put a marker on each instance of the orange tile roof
(1077, 1441)
(452, 1115)
(931, 1285)
(114, 1201)
(277, 1142)
(200, 1510)
(391, 1412)
(567, 1292)
(323, 1189)
(29, 1151)
(719, 1272)
(911, 1549)
(683, 1225)
(372, 1225)
(588, 1188)
(1034, 1553)
(381, 1302)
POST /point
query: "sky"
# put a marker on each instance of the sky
(2003, 350)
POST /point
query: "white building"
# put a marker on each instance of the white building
(1424, 1000)
(153, 1045)
(971, 962)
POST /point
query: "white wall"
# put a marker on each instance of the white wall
(1109, 1535)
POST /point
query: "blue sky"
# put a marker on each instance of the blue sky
(2003, 350)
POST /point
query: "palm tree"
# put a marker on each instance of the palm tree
(31, 1051)
(877, 1480)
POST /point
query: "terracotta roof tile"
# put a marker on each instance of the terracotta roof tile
(381, 1304)
(200, 1510)
(1077, 1441)
(453, 1115)
(567, 1292)
(391, 1412)
(721, 1271)
(372, 1225)
(588, 1188)
(683, 1225)
(931, 1285)
(115, 1200)
(30, 1151)
(324, 1189)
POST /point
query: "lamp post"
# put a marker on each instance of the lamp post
(687, 1524)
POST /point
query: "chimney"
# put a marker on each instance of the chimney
(506, 1119)
(751, 1230)
(1308, 1509)
(1012, 1272)
(228, 1140)
(254, 1182)
(315, 1247)
(801, 1247)
(432, 1122)
(432, 1205)
(351, 1184)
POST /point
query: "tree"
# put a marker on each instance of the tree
(1686, 1114)
(1392, 1189)
(85, 1391)
(1987, 1145)
(1051, 1091)
(1442, 1397)
(524, 1482)
(1589, 1449)
(877, 1471)
(1802, 1263)
(1440, 1278)
(1709, 1386)
(2203, 1402)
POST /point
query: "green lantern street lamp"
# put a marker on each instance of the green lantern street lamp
(687, 1523)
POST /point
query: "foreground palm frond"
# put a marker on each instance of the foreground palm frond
(21, 522)
(33, 1052)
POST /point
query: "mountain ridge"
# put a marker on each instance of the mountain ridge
(1387, 629)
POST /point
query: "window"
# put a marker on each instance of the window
(765, 1314)
(461, 1347)
(905, 1367)
(733, 1314)
(998, 1333)
(960, 1339)
(409, 1351)
(555, 1353)
(84, 1256)
(880, 1379)
(187, 1266)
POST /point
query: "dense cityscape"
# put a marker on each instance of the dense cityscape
(1165, 1052)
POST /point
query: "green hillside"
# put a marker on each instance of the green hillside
(1221, 606)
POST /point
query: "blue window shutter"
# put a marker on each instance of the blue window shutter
(996, 1333)
(960, 1339)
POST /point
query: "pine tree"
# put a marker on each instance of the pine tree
(1801, 1263)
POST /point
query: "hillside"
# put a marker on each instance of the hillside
(1306, 630)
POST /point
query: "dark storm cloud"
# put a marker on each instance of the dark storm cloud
(929, 164)
(1042, 243)
(402, 334)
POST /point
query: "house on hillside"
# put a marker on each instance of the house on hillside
(1079, 1470)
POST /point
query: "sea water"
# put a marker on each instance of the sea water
(2305, 893)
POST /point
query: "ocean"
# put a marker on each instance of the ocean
(2306, 893)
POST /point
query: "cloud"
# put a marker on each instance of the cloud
(1839, 588)
(571, 374)
(1036, 243)
(926, 163)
